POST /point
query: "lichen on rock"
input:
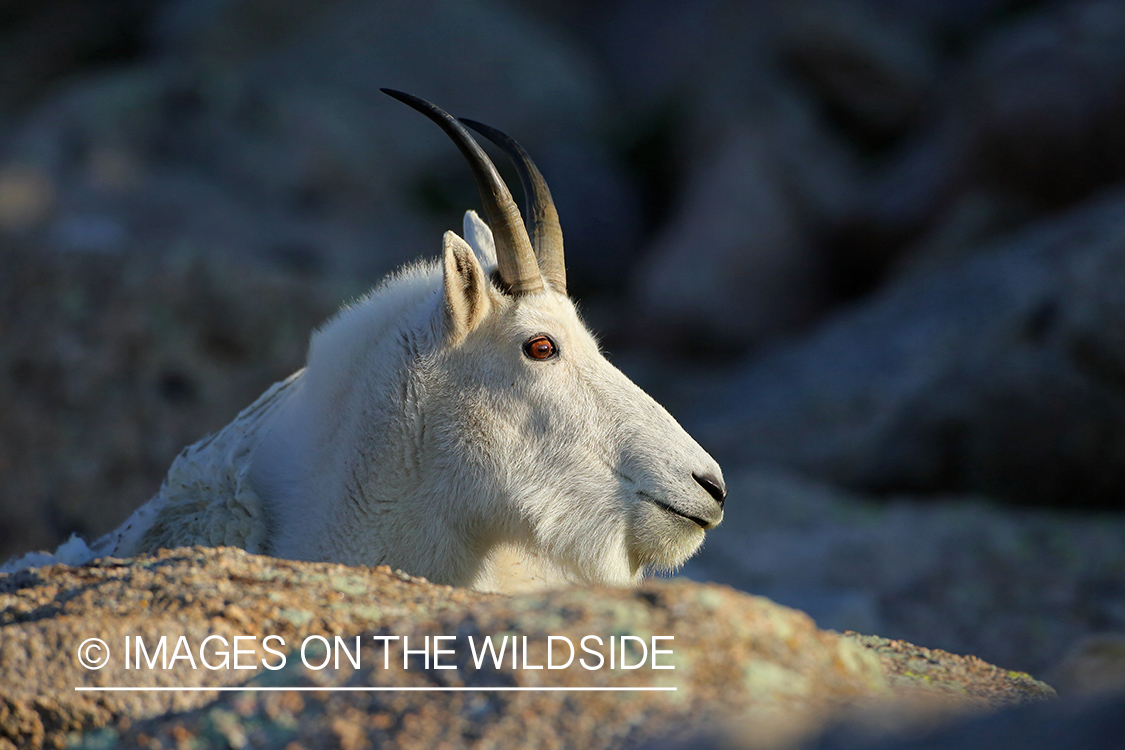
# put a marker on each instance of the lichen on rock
(733, 655)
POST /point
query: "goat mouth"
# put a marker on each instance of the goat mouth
(675, 511)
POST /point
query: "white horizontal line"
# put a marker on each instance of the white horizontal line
(236, 688)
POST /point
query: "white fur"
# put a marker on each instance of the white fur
(420, 436)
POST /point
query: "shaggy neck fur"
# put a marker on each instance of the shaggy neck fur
(341, 473)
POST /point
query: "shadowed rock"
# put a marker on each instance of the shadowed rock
(1002, 374)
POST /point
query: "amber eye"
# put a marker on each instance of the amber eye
(540, 347)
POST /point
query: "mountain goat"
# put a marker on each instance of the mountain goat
(460, 409)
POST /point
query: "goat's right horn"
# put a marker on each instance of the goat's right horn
(546, 233)
(514, 255)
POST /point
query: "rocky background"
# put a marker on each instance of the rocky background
(872, 254)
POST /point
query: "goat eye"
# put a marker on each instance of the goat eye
(540, 347)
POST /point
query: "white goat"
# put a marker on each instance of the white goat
(460, 410)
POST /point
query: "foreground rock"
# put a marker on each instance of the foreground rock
(732, 655)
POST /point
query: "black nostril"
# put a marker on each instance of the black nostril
(715, 487)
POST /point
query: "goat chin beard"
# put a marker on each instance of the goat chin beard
(657, 546)
(619, 558)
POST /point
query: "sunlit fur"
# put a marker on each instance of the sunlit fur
(420, 436)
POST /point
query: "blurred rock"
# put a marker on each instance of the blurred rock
(1048, 96)
(1003, 374)
(109, 367)
(1015, 586)
(1024, 116)
(600, 211)
(951, 24)
(260, 128)
(26, 198)
(1066, 725)
(901, 200)
(1094, 665)
(734, 655)
(744, 176)
(733, 265)
(872, 74)
(1089, 725)
(738, 261)
(963, 229)
(42, 41)
(697, 58)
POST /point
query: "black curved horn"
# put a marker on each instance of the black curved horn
(546, 232)
(514, 255)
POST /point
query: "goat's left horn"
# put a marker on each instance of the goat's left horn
(514, 255)
(546, 233)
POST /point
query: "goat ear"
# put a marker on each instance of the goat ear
(479, 236)
(465, 288)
